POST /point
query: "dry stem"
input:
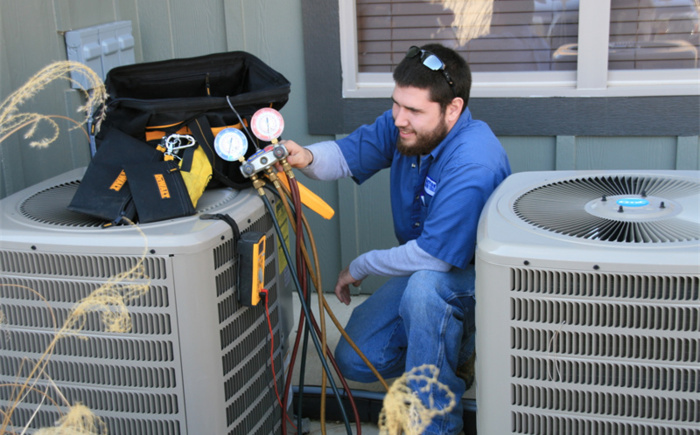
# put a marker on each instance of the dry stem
(11, 120)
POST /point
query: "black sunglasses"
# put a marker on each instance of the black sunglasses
(433, 62)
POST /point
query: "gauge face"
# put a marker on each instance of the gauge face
(267, 124)
(231, 144)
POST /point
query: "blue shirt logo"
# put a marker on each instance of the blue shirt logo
(632, 202)
(430, 186)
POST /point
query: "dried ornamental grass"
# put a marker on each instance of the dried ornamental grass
(110, 301)
(79, 421)
(404, 412)
(12, 120)
(472, 19)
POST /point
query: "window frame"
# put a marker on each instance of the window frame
(591, 79)
(532, 103)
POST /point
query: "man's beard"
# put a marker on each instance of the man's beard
(425, 142)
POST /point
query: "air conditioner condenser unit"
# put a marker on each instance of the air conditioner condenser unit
(195, 361)
(588, 304)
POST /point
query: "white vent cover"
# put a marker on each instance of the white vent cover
(588, 315)
(614, 208)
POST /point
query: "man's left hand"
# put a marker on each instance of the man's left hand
(342, 287)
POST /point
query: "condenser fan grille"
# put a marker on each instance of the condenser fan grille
(50, 206)
(629, 209)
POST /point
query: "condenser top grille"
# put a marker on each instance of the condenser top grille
(49, 206)
(615, 208)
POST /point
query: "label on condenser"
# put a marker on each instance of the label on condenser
(633, 202)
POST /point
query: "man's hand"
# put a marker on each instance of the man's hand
(299, 157)
(342, 289)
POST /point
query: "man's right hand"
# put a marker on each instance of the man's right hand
(299, 157)
(342, 287)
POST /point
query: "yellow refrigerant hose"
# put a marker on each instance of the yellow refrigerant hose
(284, 193)
(335, 320)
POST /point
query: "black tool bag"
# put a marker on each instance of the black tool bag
(196, 96)
(222, 89)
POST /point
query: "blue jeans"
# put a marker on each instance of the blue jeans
(426, 318)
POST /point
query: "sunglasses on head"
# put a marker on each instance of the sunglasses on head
(433, 62)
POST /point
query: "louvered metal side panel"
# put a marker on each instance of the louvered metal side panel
(250, 402)
(134, 380)
(195, 361)
(131, 380)
(597, 353)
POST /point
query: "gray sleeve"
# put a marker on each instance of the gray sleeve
(328, 164)
(399, 261)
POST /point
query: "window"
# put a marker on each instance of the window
(520, 48)
(654, 34)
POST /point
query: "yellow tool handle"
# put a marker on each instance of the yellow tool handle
(310, 199)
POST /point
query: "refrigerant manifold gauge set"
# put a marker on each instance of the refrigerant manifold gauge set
(267, 125)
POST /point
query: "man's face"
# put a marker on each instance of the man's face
(421, 123)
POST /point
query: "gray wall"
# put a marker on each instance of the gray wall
(299, 39)
(31, 37)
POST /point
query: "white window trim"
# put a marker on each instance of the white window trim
(594, 79)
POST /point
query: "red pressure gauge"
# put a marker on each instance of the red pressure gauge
(267, 124)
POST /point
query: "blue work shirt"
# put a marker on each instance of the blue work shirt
(436, 199)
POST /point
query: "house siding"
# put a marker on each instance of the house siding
(299, 38)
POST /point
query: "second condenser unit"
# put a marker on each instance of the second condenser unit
(588, 319)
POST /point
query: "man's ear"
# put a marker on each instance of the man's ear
(454, 109)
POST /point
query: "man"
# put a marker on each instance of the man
(444, 166)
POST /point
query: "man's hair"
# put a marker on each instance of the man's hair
(411, 72)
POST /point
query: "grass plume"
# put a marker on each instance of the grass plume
(110, 300)
(13, 120)
(472, 19)
(79, 421)
(404, 412)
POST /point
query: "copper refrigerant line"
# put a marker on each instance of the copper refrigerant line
(267, 125)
